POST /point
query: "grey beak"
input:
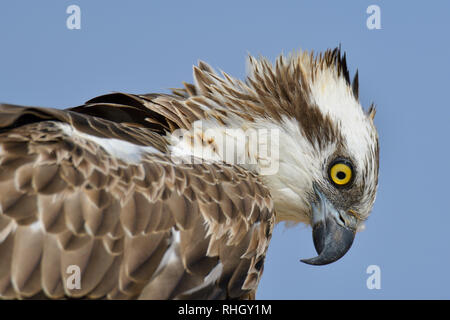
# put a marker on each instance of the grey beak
(332, 238)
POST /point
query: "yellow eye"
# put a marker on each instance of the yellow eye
(341, 173)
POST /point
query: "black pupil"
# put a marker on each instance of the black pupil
(341, 175)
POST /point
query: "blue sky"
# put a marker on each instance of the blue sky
(150, 46)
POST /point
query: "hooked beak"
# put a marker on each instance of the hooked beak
(332, 237)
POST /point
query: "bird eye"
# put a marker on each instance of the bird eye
(341, 172)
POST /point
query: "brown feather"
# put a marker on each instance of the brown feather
(119, 221)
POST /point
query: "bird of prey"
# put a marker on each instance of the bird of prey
(140, 196)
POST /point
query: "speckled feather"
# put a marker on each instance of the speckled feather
(65, 201)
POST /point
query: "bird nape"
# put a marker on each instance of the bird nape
(175, 196)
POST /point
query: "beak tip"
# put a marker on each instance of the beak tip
(316, 261)
(308, 261)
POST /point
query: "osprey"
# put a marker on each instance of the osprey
(161, 196)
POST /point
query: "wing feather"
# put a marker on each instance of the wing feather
(150, 229)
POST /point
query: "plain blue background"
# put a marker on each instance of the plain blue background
(150, 46)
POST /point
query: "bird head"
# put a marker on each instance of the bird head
(328, 151)
(327, 145)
